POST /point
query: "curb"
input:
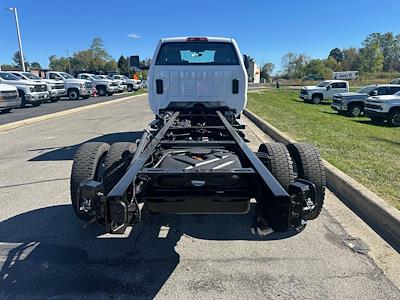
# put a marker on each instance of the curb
(21, 123)
(382, 217)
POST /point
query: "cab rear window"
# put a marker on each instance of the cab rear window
(197, 53)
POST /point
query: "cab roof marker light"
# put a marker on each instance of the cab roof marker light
(197, 39)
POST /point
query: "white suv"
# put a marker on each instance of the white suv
(323, 91)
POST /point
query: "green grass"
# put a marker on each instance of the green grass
(368, 153)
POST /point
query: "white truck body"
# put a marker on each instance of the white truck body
(120, 87)
(131, 84)
(9, 97)
(197, 70)
(74, 88)
(31, 92)
(385, 107)
(345, 75)
(325, 90)
(55, 88)
(103, 86)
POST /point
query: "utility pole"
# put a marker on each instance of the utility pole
(21, 53)
(69, 62)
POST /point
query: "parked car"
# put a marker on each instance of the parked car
(384, 108)
(74, 88)
(121, 87)
(353, 103)
(131, 85)
(395, 81)
(103, 86)
(323, 91)
(9, 98)
(29, 91)
(143, 84)
(55, 88)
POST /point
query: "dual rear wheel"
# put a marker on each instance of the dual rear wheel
(100, 162)
(297, 160)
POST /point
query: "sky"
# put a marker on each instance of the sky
(265, 30)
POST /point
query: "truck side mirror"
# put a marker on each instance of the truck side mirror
(246, 61)
(134, 61)
(328, 87)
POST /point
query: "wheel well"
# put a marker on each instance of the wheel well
(73, 88)
(100, 86)
(130, 84)
(20, 92)
(396, 108)
(318, 94)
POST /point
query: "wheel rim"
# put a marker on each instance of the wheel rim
(316, 100)
(356, 111)
(73, 95)
(396, 119)
(102, 92)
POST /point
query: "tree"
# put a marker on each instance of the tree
(293, 64)
(389, 45)
(351, 59)
(59, 64)
(371, 59)
(18, 62)
(318, 67)
(123, 66)
(336, 54)
(266, 70)
(35, 65)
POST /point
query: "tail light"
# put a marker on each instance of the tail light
(197, 39)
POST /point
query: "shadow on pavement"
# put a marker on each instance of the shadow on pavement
(68, 152)
(48, 253)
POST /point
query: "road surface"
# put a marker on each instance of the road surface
(45, 251)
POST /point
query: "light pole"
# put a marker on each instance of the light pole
(21, 53)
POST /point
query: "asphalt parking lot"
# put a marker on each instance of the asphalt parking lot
(46, 253)
(18, 114)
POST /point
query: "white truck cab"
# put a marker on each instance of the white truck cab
(29, 91)
(103, 86)
(186, 71)
(55, 88)
(131, 84)
(324, 90)
(74, 88)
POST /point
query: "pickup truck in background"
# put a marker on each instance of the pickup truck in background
(104, 87)
(384, 108)
(323, 91)
(131, 85)
(29, 91)
(55, 88)
(353, 103)
(121, 88)
(74, 88)
(9, 98)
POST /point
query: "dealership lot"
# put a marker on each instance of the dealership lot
(45, 252)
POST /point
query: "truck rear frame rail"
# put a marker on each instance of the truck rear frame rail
(197, 161)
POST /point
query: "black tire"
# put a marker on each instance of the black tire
(37, 103)
(6, 110)
(22, 96)
(129, 88)
(101, 91)
(88, 164)
(110, 94)
(279, 162)
(355, 110)
(73, 94)
(394, 118)
(116, 163)
(54, 100)
(85, 97)
(308, 165)
(316, 99)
